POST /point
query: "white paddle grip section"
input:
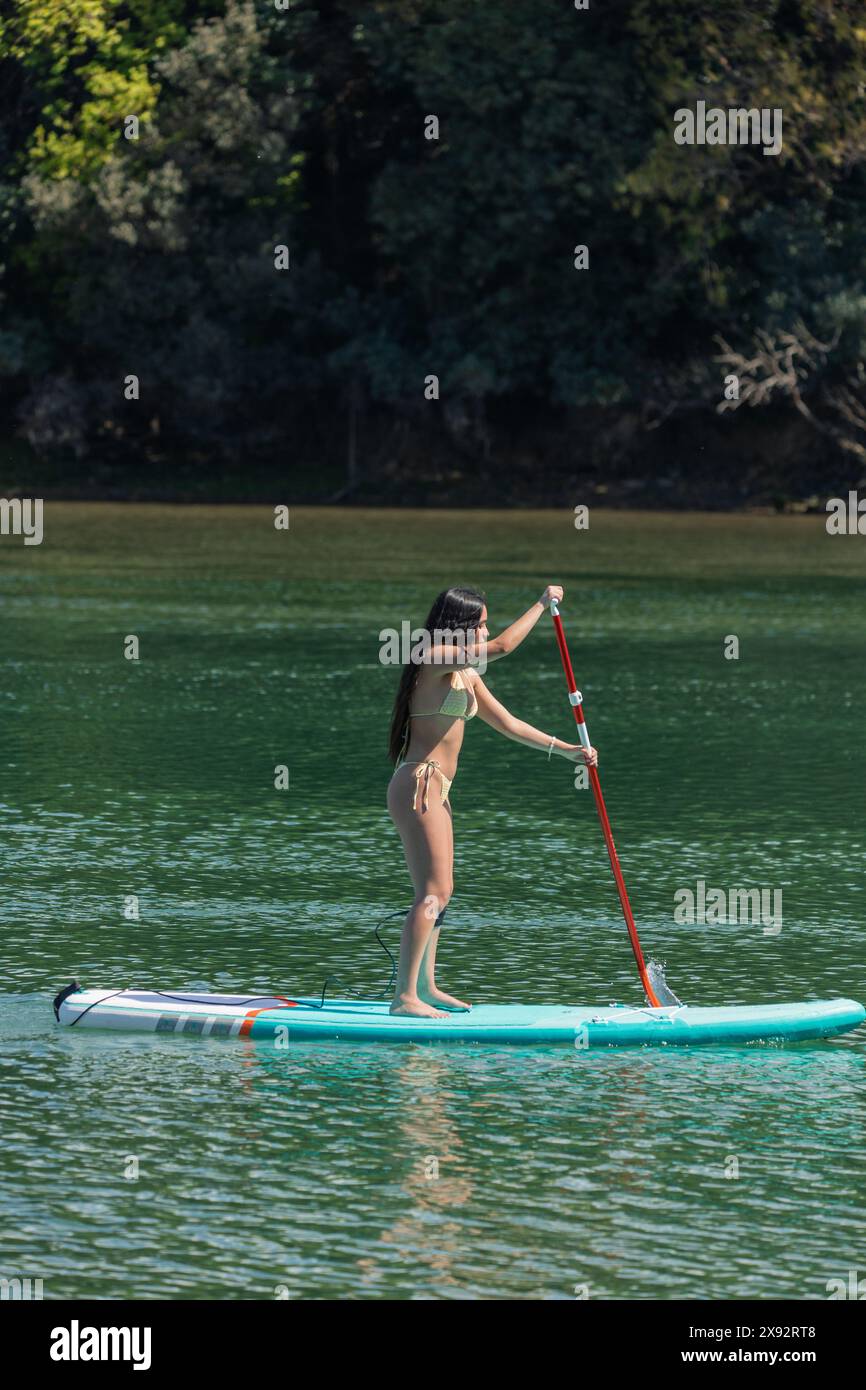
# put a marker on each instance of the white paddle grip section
(554, 607)
(584, 735)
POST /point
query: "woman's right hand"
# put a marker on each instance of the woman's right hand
(552, 592)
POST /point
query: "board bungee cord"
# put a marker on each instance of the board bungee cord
(75, 988)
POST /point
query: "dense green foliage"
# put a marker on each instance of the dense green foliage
(306, 127)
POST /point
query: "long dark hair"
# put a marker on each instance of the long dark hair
(459, 607)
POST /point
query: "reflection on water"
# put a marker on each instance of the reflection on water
(420, 1172)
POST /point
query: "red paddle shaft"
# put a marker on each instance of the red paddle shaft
(576, 701)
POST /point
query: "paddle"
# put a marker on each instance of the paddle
(658, 993)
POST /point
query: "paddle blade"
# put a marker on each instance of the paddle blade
(656, 976)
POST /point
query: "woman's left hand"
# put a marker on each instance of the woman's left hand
(576, 753)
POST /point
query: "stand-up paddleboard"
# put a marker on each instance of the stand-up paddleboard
(615, 1025)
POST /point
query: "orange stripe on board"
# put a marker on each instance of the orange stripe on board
(247, 1024)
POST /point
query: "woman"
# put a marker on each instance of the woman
(437, 694)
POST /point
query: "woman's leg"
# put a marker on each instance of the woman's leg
(427, 843)
(427, 987)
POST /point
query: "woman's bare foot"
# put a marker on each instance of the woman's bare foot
(437, 996)
(415, 1008)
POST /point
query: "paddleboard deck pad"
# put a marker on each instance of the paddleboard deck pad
(278, 1019)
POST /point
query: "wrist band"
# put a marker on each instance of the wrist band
(550, 749)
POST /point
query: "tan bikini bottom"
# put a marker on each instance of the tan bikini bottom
(423, 772)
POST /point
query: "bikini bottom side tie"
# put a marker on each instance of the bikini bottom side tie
(423, 772)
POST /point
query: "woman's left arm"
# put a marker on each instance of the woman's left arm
(504, 722)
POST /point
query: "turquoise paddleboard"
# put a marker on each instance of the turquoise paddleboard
(612, 1025)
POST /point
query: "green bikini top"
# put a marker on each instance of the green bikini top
(459, 702)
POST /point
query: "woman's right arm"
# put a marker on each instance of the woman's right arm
(504, 722)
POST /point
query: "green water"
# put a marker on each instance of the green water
(314, 1171)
